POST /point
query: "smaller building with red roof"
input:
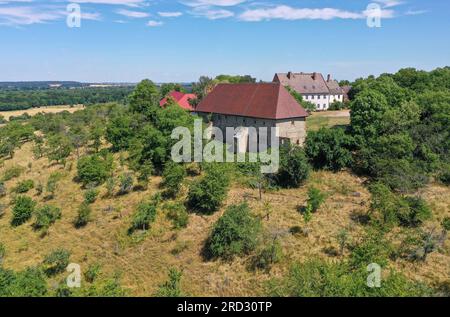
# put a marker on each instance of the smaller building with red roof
(180, 99)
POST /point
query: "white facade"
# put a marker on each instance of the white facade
(323, 101)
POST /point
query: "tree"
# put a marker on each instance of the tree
(236, 233)
(94, 169)
(207, 194)
(144, 97)
(294, 168)
(173, 177)
(329, 149)
(308, 106)
(315, 199)
(58, 148)
(45, 216)
(165, 89)
(144, 215)
(22, 210)
(119, 131)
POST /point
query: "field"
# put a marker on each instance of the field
(319, 120)
(143, 262)
(34, 111)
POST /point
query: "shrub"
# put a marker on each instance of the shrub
(268, 256)
(294, 168)
(110, 186)
(235, 233)
(28, 283)
(329, 149)
(92, 272)
(171, 288)
(12, 172)
(176, 212)
(144, 215)
(2, 189)
(83, 216)
(125, 183)
(446, 223)
(315, 199)
(52, 184)
(2, 253)
(39, 189)
(207, 194)
(317, 278)
(56, 262)
(444, 175)
(22, 210)
(46, 216)
(372, 249)
(416, 214)
(173, 177)
(90, 196)
(337, 105)
(94, 169)
(24, 186)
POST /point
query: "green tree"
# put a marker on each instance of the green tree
(22, 210)
(294, 167)
(144, 97)
(94, 169)
(173, 177)
(236, 233)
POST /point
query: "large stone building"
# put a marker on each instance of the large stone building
(313, 87)
(242, 106)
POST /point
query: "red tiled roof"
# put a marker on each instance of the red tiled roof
(262, 100)
(181, 99)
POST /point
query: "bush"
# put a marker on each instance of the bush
(294, 168)
(446, 223)
(444, 175)
(39, 189)
(2, 189)
(207, 194)
(90, 196)
(372, 249)
(84, 215)
(173, 177)
(24, 186)
(336, 105)
(56, 262)
(235, 233)
(329, 149)
(144, 215)
(315, 199)
(22, 210)
(125, 183)
(52, 184)
(171, 288)
(2, 253)
(28, 283)
(317, 278)
(268, 256)
(12, 172)
(416, 214)
(94, 169)
(176, 212)
(92, 272)
(46, 216)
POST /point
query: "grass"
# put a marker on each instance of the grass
(142, 259)
(328, 119)
(34, 111)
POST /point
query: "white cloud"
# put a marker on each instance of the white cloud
(170, 14)
(26, 16)
(212, 14)
(284, 12)
(131, 3)
(132, 14)
(153, 23)
(218, 3)
(416, 12)
(390, 3)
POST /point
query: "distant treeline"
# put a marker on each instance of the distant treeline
(26, 99)
(31, 85)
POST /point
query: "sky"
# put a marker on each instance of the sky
(180, 40)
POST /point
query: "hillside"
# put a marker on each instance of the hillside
(143, 261)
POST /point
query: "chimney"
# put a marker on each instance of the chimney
(329, 78)
(290, 75)
(314, 76)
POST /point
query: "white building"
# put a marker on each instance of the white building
(313, 87)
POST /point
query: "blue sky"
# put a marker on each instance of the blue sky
(179, 40)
